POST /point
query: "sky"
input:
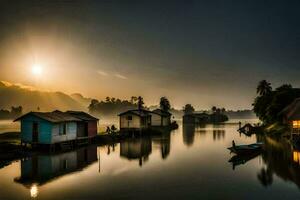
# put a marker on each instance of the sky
(200, 52)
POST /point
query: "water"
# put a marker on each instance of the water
(9, 126)
(188, 163)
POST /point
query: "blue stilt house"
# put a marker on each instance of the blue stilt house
(46, 128)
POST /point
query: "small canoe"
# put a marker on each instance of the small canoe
(246, 149)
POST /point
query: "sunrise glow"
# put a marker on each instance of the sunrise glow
(37, 70)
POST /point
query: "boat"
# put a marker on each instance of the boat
(245, 149)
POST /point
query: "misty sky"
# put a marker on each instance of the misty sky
(200, 52)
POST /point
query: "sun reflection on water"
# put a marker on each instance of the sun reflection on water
(34, 191)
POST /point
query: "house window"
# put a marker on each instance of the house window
(129, 117)
(62, 128)
(296, 124)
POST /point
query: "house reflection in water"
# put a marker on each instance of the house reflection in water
(282, 160)
(140, 148)
(188, 134)
(218, 134)
(164, 143)
(41, 169)
(136, 149)
(190, 130)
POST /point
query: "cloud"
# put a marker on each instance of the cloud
(19, 85)
(102, 73)
(120, 76)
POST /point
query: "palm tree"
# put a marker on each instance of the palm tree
(263, 88)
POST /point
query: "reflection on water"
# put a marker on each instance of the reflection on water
(190, 130)
(237, 160)
(140, 148)
(34, 191)
(136, 149)
(188, 163)
(41, 169)
(282, 160)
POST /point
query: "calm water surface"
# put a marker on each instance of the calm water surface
(188, 163)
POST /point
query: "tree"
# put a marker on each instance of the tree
(214, 108)
(93, 104)
(188, 109)
(113, 100)
(164, 104)
(140, 103)
(269, 104)
(133, 100)
(223, 110)
(263, 88)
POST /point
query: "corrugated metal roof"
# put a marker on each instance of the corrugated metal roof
(137, 112)
(82, 115)
(144, 112)
(58, 116)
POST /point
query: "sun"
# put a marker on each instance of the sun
(37, 69)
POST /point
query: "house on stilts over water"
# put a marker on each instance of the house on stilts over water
(291, 116)
(50, 128)
(142, 120)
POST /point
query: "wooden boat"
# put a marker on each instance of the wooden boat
(245, 149)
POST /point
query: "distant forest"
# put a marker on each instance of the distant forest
(13, 113)
(112, 106)
(35, 100)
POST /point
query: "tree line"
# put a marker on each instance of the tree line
(113, 106)
(13, 113)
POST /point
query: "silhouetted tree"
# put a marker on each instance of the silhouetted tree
(93, 104)
(133, 100)
(263, 88)
(188, 109)
(223, 110)
(268, 105)
(164, 104)
(13, 113)
(214, 108)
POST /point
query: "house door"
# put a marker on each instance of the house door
(35, 132)
(86, 129)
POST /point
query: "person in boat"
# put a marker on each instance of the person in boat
(108, 130)
(233, 144)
